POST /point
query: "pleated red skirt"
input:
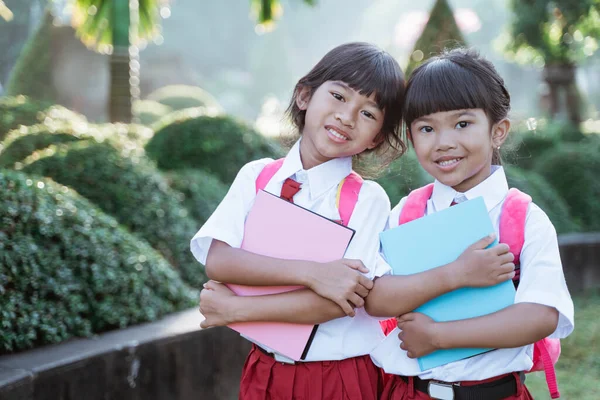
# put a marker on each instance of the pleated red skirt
(263, 378)
(397, 389)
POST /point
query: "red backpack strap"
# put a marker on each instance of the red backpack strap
(347, 196)
(267, 173)
(512, 225)
(416, 204)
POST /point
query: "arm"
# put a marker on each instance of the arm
(477, 266)
(220, 306)
(515, 326)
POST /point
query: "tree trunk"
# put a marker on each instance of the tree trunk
(562, 96)
(120, 101)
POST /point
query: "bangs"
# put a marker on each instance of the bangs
(366, 70)
(443, 85)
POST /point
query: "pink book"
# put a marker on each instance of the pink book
(280, 229)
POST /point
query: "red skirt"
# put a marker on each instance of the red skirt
(263, 378)
(397, 389)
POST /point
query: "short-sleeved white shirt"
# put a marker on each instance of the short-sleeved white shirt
(542, 281)
(343, 337)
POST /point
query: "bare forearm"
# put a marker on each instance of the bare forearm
(300, 307)
(515, 326)
(399, 294)
(227, 264)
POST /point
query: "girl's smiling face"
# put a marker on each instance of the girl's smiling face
(456, 147)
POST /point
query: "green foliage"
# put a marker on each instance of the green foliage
(32, 74)
(558, 32)
(219, 145)
(149, 111)
(21, 143)
(545, 196)
(573, 170)
(21, 110)
(180, 97)
(67, 269)
(267, 11)
(402, 176)
(127, 186)
(202, 191)
(441, 32)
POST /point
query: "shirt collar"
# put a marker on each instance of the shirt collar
(493, 190)
(318, 179)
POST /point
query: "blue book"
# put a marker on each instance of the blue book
(436, 240)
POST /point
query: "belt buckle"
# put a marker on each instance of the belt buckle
(440, 390)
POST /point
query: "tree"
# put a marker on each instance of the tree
(440, 32)
(117, 27)
(556, 35)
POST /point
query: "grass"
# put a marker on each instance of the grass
(578, 369)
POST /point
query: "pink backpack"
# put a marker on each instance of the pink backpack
(512, 232)
(347, 193)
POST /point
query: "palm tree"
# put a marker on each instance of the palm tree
(116, 27)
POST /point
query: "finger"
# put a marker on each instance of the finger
(506, 277)
(347, 308)
(410, 354)
(204, 324)
(357, 265)
(405, 318)
(403, 346)
(210, 285)
(501, 248)
(358, 301)
(366, 282)
(483, 242)
(361, 290)
(507, 258)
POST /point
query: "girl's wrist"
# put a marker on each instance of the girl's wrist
(437, 337)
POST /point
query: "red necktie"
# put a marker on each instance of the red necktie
(289, 189)
(453, 203)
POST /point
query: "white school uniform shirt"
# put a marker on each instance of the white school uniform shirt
(542, 281)
(343, 337)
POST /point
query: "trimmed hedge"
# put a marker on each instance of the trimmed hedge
(67, 269)
(149, 111)
(402, 176)
(202, 192)
(219, 145)
(128, 187)
(573, 170)
(25, 141)
(180, 97)
(545, 196)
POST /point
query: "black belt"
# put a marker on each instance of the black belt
(494, 390)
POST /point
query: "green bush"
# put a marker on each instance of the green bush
(573, 170)
(545, 196)
(25, 141)
(180, 97)
(202, 191)
(220, 145)
(67, 269)
(149, 111)
(529, 145)
(20, 110)
(128, 187)
(402, 176)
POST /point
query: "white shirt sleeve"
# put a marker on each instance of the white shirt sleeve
(542, 277)
(227, 221)
(369, 220)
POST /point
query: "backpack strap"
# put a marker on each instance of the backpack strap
(512, 225)
(416, 204)
(347, 193)
(512, 232)
(267, 173)
(347, 196)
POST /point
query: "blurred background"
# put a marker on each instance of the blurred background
(122, 123)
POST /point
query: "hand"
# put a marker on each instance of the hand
(418, 334)
(479, 266)
(342, 282)
(215, 301)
